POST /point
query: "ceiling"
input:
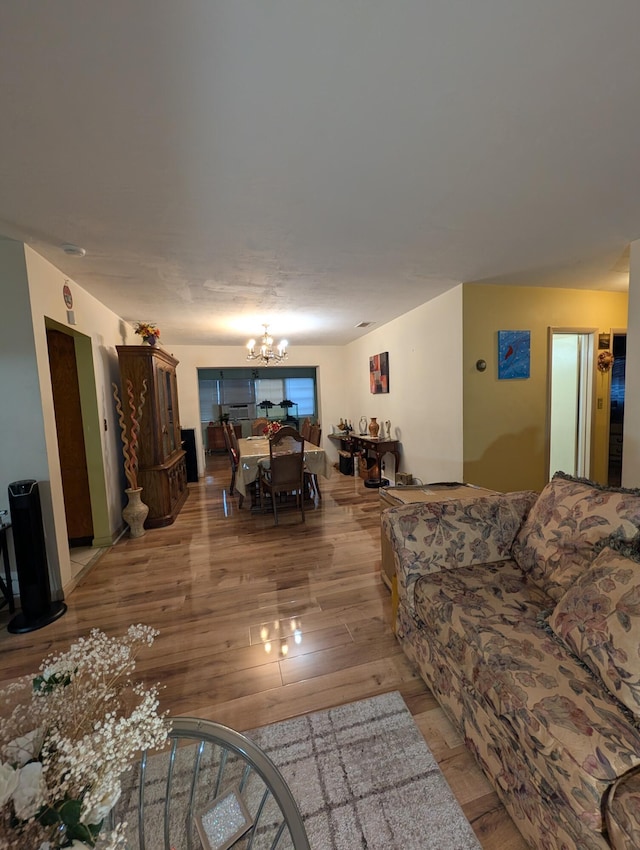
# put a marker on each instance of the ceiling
(314, 165)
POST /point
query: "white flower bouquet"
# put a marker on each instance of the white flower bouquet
(66, 737)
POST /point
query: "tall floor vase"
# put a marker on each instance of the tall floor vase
(135, 512)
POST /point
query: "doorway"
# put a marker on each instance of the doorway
(571, 376)
(616, 406)
(70, 432)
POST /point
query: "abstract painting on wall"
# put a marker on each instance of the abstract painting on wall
(514, 354)
(379, 373)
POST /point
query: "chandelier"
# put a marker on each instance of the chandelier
(266, 351)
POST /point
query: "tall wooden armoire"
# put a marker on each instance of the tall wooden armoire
(162, 469)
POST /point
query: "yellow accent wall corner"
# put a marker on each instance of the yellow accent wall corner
(505, 421)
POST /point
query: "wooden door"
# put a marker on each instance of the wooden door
(71, 448)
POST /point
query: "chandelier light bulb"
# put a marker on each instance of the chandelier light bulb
(266, 352)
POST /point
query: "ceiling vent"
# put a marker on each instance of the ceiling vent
(364, 324)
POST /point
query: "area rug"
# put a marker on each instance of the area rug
(363, 778)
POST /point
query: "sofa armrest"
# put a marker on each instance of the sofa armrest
(427, 537)
(622, 813)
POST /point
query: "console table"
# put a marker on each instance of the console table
(378, 446)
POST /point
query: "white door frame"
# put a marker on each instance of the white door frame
(586, 412)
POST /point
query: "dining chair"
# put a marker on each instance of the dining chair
(258, 426)
(284, 472)
(306, 428)
(234, 456)
(211, 778)
(315, 434)
(315, 437)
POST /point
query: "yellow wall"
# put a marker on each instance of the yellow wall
(505, 422)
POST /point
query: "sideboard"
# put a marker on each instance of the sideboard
(378, 446)
(215, 436)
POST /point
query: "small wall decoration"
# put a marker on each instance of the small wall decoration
(379, 373)
(605, 361)
(514, 354)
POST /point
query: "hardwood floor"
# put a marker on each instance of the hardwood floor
(259, 623)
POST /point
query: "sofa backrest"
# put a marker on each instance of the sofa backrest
(432, 536)
(567, 526)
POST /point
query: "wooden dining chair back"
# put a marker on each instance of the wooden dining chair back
(285, 470)
(233, 452)
(315, 434)
(258, 426)
(233, 437)
(306, 428)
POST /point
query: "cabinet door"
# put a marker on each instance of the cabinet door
(174, 413)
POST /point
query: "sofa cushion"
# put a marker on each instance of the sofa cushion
(570, 517)
(484, 623)
(623, 812)
(452, 533)
(599, 620)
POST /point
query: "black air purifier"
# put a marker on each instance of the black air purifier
(31, 560)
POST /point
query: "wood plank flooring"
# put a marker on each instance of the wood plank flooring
(260, 623)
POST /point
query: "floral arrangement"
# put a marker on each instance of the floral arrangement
(147, 330)
(271, 428)
(130, 430)
(67, 735)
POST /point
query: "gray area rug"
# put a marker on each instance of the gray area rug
(362, 776)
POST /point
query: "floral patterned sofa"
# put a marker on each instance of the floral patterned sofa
(522, 613)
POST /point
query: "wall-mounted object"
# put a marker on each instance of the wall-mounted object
(379, 373)
(68, 297)
(481, 365)
(514, 354)
(605, 361)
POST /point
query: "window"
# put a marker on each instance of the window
(302, 391)
(239, 391)
(209, 400)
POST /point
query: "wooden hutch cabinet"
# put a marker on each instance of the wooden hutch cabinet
(162, 469)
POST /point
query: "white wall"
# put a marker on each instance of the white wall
(22, 448)
(31, 450)
(332, 387)
(424, 402)
(631, 438)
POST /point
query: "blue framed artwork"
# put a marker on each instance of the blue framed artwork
(514, 354)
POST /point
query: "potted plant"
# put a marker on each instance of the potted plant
(148, 331)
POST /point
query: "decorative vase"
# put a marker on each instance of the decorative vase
(135, 512)
(387, 425)
(150, 340)
(363, 425)
(374, 427)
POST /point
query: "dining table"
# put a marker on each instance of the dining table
(255, 449)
